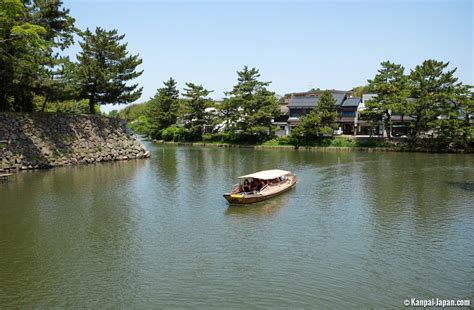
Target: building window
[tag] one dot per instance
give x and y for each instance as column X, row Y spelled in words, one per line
column 348, row 113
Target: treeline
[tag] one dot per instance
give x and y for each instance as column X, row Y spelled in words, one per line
column 439, row 106
column 436, row 106
column 36, row 76
column 245, row 115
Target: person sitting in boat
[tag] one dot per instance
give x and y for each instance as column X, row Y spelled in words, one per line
column 246, row 186
column 254, row 185
column 261, row 185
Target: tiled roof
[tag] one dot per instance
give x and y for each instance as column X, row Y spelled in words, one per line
column 312, row 101
column 351, row 102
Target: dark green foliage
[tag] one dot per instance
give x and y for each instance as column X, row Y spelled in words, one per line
column 249, row 110
column 113, row 114
column 162, row 108
column 195, row 117
column 174, row 133
column 104, row 68
column 440, row 105
column 318, row 123
column 31, row 33
column 391, row 86
column 22, row 56
column 65, row 106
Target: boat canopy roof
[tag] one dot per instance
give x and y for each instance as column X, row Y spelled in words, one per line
column 266, row 174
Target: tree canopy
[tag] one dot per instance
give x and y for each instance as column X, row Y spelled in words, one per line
column 251, row 106
column 195, row 115
column 391, row 86
column 163, row 107
column 33, row 35
column 104, row 68
column 440, row 103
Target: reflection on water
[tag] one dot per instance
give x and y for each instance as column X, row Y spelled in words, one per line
column 263, row 208
column 359, row 230
column 468, row 186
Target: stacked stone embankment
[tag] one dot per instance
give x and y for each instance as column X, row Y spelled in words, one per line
column 44, row 140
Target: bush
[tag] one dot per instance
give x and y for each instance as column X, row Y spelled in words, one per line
column 140, row 125
column 373, row 142
column 173, row 133
column 338, row 142
column 278, row 141
column 213, row 137
column 342, row 142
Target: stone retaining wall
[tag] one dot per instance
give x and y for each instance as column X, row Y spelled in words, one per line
column 43, row 140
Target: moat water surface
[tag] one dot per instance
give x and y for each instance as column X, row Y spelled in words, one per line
column 360, row 230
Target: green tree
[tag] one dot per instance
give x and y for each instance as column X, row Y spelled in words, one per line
column 133, row 111
column 104, row 68
column 391, row 86
column 163, row 107
column 440, row 103
column 55, row 85
column 229, row 113
column 358, row 91
column 140, row 125
column 196, row 117
column 113, row 114
column 31, row 35
column 320, row 122
column 257, row 106
column 22, row 50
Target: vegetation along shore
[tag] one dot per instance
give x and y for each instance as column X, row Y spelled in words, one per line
column 426, row 108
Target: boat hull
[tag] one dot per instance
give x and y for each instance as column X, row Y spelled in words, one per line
column 253, row 198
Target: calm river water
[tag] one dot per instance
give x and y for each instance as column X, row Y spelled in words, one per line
column 360, row 230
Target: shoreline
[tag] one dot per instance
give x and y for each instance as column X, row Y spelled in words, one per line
column 316, row 148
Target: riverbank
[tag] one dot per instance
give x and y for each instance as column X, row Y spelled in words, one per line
column 45, row 140
column 394, row 148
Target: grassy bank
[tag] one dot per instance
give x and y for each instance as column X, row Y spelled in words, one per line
column 338, row 144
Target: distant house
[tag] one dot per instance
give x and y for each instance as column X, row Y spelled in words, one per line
column 347, row 114
column 365, row 126
column 297, row 105
column 281, row 122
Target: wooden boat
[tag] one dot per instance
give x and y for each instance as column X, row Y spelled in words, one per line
column 273, row 182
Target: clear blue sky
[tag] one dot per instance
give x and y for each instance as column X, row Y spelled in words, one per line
column 295, row 44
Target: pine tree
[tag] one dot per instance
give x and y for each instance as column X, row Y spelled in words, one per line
column 104, row 68
column 440, row 103
column 31, row 34
column 162, row 108
column 195, row 110
column 22, row 52
column 257, row 106
column 391, row 87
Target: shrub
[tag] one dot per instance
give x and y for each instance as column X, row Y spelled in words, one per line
column 278, row 141
column 342, row 142
column 140, row 125
column 173, row 133
column 213, row 137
